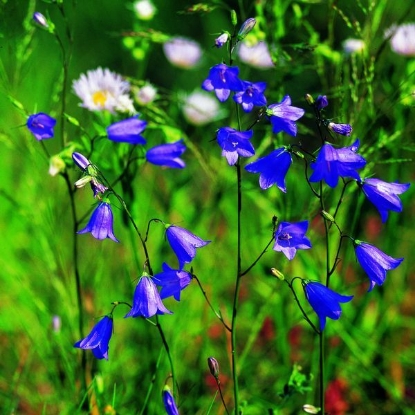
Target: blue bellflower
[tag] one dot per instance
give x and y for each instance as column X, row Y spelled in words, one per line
column 80, row 160
column 272, row 168
column 333, row 163
column 252, row 94
column 101, row 223
column 146, row 299
column 321, row 102
column 169, row 403
column 127, row 131
column 183, row 243
column 235, row 143
column 223, row 79
column 374, row 262
column 283, row 116
column 41, row 125
column 167, row 155
column 384, row 195
column 291, row 236
column 172, row 281
column 343, row 129
column 98, row 339
column 324, row 301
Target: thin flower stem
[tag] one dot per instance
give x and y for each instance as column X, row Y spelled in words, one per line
column 221, row 395
column 260, row 255
column 218, row 315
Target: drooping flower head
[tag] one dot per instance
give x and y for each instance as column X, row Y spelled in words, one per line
column 343, row 129
column 374, row 262
column 127, row 131
column 98, row 339
column 172, row 281
column 222, row 39
column 101, row 223
column 183, row 243
column 290, row 237
column 272, row 168
column 283, row 116
column 200, row 108
column 101, row 89
column 384, row 195
column 169, row 403
column 256, row 55
column 167, row 155
column 333, row 163
column 235, row 143
column 146, row 299
column 40, row 19
column 183, row 53
column 403, row 39
column 223, row 79
column 41, row 125
column 324, row 301
column 321, row 102
column 252, row 94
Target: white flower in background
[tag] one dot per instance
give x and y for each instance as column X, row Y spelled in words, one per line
column 144, row 9
column 146, row 94
column 101, row 89
column 182, row 52
column 256, row 55
column 351, row 46
column 403, row 39
column 200, row 108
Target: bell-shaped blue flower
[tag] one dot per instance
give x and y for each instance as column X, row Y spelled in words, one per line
column 146, row 300
column 324, row 301
column 167, row 155
column 41, row 125
column 80, row 160
column 172, row 281
column 127, row 131
column 252, row 94
column 169, row 403
column 291, row 236
column 343, row 129
column 223, row 79
column 384, row 195
column 283, row 116
column 272, row 168
column 374, row 262
column 321, row 102
column 183, row 243
column 101, row 223
column 333, row 163
column 98, row 339
column 235, row 143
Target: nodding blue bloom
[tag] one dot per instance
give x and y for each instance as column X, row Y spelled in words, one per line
column 253, row 94
column 272, row 168
column 40, row 19
column 374, row 262
column 291, row 236
column 343, row 129
column 172, row 281
column 384, row 195
column 321, row 102
column 283, row 115
column 41, row 125
column 80, row 160
column 98, row 339
column 127, row 131
column 324, row 301
column 146, row 300
column 101, row 223
column 169, row 403
column 222, row 39
column 333, row 163
column 235, row 143
column 223, row 79
column 167, row 155
column 183, row 243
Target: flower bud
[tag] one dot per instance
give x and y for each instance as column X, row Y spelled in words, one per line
column 56, row 165
column 246, row 27
column 278, row 274
column 169, row 403
column 327, row 216
column 40, row 19
column 234, row 18
column 83, row 181
column 343, row 129
column 144, row 9
column 311, row 409
column 222, row 39
column 321, row 102
column 213, row 367
column 309, row 99
column 81, row 161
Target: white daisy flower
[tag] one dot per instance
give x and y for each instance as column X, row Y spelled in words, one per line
column 200, row 108
column 101, row 89
column 182, row 52
column 403, row 39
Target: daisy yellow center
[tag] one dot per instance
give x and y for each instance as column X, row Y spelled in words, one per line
column 99, row 98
